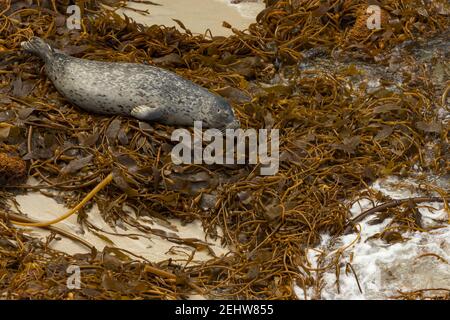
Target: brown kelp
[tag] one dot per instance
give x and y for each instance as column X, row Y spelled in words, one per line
column 338, row 133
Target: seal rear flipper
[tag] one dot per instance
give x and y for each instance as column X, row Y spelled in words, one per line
column 38, row 47
column 146, row 113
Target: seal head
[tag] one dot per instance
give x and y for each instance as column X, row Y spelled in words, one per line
column 145, row 92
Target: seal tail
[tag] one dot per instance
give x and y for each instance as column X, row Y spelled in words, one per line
column 38, row 47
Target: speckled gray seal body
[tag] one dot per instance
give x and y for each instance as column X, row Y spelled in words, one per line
column 145, row 92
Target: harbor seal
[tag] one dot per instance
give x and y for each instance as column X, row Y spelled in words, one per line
column 145, row 92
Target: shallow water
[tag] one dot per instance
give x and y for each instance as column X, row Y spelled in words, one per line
column 383, row 269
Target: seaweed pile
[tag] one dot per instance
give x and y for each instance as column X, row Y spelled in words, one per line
column 338, row 133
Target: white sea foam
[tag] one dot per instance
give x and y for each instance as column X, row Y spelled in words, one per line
column 384, row 269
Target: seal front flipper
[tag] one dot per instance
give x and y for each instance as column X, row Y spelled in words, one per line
column 146, row 113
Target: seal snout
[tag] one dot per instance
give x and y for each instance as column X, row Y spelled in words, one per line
column 225, row 114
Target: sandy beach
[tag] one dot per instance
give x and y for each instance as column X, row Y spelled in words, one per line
column 197, row 15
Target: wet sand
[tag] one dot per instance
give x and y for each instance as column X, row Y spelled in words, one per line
column 197, row 15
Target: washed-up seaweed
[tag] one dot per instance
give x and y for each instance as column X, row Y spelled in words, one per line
column 31, row 270
column 338, row 133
